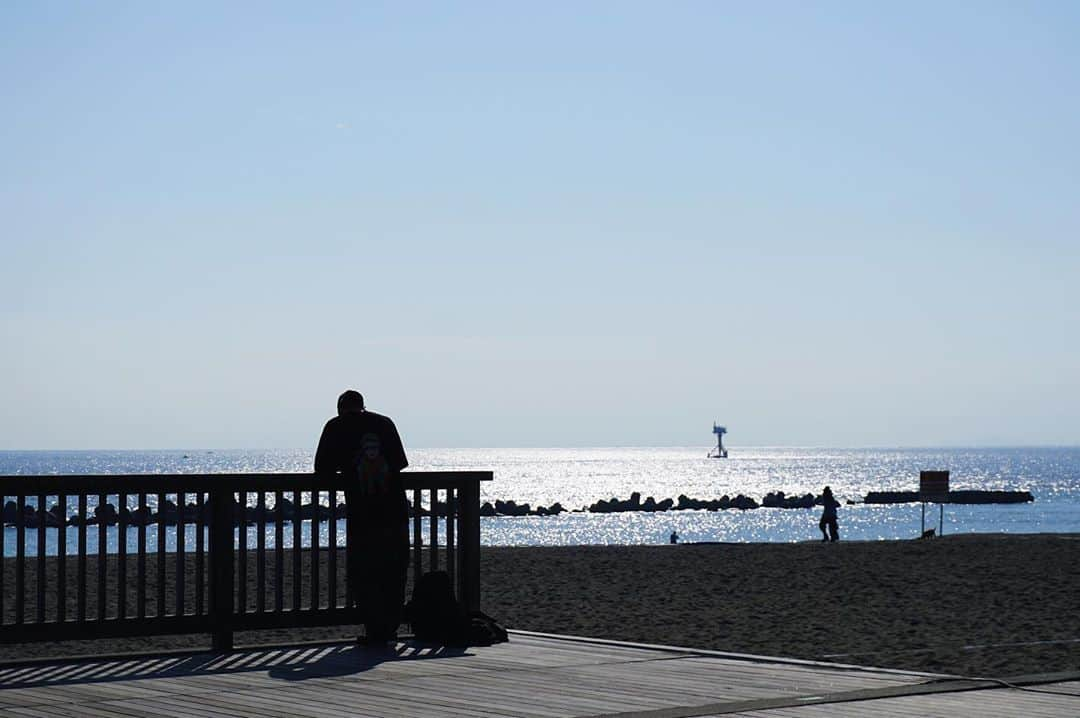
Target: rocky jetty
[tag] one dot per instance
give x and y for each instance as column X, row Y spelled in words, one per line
column 777, row 499
column 955, row 497
column 170, row 514
column 774, row 499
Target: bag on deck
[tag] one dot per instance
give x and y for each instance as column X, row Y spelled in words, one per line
column 437, row 617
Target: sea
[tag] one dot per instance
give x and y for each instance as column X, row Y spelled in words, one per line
column 577, row 477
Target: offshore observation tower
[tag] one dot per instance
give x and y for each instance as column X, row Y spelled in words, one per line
column 719, row 452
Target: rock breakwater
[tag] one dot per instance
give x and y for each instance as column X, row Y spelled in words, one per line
column 774, row 499
column 171, row 514
column 963, row 496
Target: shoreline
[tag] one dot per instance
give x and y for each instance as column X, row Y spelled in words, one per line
column 972, row 604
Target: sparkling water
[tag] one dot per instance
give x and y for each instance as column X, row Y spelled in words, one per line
column 578, row 477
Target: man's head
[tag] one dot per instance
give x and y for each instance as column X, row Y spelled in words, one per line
column 350, row 401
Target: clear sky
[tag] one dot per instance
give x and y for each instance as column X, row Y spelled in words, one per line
column 540, row 224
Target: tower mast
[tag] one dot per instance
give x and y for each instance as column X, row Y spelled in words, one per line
column 720, row 451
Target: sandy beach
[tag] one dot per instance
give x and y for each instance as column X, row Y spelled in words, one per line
column 992, row 605
column 903, row 604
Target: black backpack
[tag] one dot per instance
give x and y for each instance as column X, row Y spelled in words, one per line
column 437, row 617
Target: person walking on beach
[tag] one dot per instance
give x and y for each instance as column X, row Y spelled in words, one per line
column 366, row 447
column 828, row 516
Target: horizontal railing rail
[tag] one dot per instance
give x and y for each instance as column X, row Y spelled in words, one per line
column 131, row 555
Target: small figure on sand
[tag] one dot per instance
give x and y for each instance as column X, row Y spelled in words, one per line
column 674, row 537
column 828, row 516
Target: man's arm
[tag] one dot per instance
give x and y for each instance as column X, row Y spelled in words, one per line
column 324, row 454
column 395, row 452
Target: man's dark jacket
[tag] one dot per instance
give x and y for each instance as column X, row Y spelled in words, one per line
column 342, row 441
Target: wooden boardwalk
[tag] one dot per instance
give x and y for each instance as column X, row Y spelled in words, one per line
column 532, row 676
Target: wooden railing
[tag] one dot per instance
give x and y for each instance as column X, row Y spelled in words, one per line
column 231, row 561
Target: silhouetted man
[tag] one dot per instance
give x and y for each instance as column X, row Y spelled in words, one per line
column 365, row 447
column 828, row 516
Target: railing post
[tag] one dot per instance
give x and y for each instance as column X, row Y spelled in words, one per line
column 469, row 537
column 221, row 567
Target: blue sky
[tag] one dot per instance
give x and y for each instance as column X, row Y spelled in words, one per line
column 540, row 225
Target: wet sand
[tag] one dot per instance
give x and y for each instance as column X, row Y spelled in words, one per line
column 989, row 605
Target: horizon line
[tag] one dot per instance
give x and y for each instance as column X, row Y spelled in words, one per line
column 752, row 447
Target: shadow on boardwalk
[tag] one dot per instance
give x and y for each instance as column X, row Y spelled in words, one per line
column 532, row 676
column 292, row 663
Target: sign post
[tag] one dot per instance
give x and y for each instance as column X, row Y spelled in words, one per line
column 934, row 487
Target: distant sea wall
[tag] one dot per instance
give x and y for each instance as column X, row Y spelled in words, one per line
column 774, row 499
column 954, row 497
column 170, row 514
